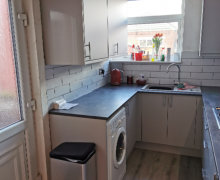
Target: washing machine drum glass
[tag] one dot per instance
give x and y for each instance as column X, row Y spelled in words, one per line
column 120, row 147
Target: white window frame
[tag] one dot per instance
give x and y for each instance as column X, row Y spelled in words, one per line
column 179, row 18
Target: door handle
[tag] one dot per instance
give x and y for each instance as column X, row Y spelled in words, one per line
column 89, row 46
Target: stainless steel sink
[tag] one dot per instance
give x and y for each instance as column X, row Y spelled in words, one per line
column 158, row 87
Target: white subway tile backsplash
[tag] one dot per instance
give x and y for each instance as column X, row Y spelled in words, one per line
column 61, row 71
column 167, row 81
column 211, row 68
column 71, row 82
column 210, row 83
column 202, row 75
column 194, row 70
column 217, row 62
column 142, row 67
column 216, row 76
column 52, row 83
column 153, row 80
column 75, row 85
column 172, row 69
column 159, row 74
column 49, row 74
column 191, row 68
column 200, row 62
column 61, row 90
column 75, row 69
column 50, row 94
column 187, row 62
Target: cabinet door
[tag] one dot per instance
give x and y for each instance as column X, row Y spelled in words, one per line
column 95, row 29
column 131, row 124
column 210, row 45
column 199, row 123
column 181, row 120
column 154, row 118
column 63, row 32
column 117, row 22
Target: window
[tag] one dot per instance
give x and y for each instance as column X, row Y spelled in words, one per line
column 9, row 95
column 149, row 17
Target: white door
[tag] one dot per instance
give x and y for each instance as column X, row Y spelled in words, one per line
column 17, row 143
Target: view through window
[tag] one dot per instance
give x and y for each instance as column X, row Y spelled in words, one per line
column 146, row 18
column 9, row 98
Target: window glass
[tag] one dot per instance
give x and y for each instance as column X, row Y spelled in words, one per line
column 153, row 8
column 141, row 35
column 9, row 98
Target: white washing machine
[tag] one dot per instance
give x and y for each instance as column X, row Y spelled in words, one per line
column 116, row 145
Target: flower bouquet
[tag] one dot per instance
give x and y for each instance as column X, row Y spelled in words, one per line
column 157, row 40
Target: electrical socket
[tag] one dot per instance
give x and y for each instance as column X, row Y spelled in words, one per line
column 101, row 71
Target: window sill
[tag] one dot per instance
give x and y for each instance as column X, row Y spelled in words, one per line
column 128, row 60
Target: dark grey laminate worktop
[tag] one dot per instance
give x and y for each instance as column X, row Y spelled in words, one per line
column 105, row 101
column 211, row 99
column 101, row 103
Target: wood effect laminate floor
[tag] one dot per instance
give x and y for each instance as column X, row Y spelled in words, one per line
column 150, row 165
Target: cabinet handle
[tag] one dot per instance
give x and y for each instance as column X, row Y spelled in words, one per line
column 206, row 125
column 171, row 101
column 88, row 45
column 204, row 145
column 164, row 100
column 116, row 45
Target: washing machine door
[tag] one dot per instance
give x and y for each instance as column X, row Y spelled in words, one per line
column 119, row 149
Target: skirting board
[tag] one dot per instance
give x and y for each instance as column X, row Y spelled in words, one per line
column 168, row 149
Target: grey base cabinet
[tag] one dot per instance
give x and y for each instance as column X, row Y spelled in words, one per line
column 154, row 118
column 172, row 120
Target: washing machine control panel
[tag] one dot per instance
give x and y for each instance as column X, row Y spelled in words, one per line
column 117, row 121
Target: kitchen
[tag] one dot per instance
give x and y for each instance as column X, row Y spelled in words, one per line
column 73, row 56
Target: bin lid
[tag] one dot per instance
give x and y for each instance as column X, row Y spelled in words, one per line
column 77, row 152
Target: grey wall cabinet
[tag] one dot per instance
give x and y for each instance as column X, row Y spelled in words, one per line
column 210, row 40
column 75, row 32
column 117, row 24
column 171, row 120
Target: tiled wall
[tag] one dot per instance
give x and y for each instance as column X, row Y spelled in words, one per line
column 196, row 71
column 71, row 82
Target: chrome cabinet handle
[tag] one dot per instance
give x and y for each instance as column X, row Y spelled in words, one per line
column 204, row 145
column 116, row 45
column 88, row 45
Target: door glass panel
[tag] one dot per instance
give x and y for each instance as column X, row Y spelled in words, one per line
column 9, row 96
